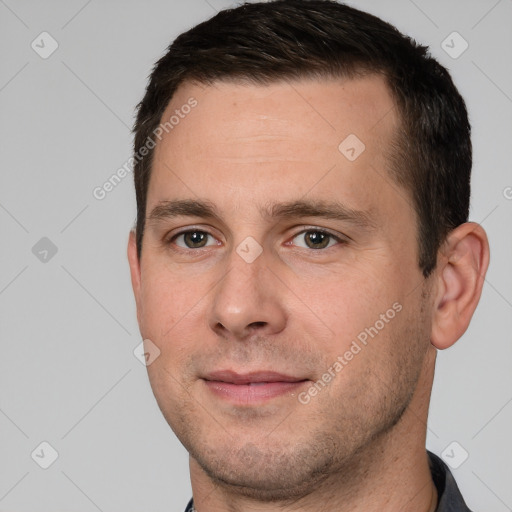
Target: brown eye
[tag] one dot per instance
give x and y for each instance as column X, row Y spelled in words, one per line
column 315, row 239
column 194, row 239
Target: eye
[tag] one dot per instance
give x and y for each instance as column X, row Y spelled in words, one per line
column 193, row 239
column 315, row 239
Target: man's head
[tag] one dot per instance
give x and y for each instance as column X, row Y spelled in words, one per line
column 430, row 154
column 301, row 244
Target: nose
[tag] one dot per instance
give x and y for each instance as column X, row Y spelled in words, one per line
column 248, row 300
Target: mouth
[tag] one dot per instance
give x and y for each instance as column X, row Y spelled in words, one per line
column 252, row 388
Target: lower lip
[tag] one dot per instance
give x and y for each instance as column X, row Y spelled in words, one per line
column 249, row 394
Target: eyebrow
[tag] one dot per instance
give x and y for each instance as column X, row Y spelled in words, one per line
column 166, row 210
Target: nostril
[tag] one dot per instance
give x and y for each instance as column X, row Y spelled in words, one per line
column 257, row 324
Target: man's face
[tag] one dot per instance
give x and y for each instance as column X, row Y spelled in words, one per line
column 272, row 290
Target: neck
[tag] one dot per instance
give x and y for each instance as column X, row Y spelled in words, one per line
column 391, row 473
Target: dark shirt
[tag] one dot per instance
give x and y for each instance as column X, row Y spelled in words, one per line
column 448, row 494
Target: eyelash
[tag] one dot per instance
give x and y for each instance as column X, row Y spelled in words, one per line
column 340, row 240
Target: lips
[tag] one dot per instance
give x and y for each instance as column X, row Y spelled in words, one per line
column 250, row 378
column 251, row 388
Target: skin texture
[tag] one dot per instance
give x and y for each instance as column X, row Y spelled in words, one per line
column 296, row 309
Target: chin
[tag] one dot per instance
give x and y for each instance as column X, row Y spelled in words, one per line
column 267, row 473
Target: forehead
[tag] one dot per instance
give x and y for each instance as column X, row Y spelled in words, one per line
column 243, row 140
column 327, row 109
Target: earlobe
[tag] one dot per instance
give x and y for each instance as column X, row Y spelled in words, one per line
column 462, row 264
column 134, row 263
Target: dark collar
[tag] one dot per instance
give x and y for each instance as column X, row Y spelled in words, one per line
column 448, row 494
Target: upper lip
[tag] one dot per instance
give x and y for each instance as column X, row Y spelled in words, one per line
column 233, row 377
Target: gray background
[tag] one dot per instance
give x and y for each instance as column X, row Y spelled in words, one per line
column 68, row 375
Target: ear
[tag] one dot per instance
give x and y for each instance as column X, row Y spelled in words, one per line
column 460, row 273
column 134, row 263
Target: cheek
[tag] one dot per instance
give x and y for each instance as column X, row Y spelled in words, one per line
column 379, row 356
column 349, row 301
column 158, row 307
column 169, row 301
column 175, row 305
